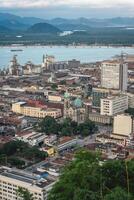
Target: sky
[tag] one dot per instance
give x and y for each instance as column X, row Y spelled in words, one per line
column 69, row 8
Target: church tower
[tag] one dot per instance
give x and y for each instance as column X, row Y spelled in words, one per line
column 66, row 104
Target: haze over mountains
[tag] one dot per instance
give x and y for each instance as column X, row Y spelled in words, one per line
column 9, row 22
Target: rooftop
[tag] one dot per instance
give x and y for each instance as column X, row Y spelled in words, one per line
column 31, row 179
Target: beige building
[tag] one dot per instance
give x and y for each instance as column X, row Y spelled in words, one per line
column 102, row 119
column 54, row 98
column 123, row 125
column 26, row 110
column 113, row 105
column 114, row 74
column 12, row 179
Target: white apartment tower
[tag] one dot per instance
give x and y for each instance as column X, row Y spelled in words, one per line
column 114, row 74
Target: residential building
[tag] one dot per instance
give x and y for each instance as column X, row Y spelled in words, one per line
column 113, row 105
column 114, row 74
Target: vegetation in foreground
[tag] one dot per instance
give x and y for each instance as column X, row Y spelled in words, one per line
column 88, row 179
column 24, row 194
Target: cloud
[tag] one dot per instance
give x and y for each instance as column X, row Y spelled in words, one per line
column 69, row 3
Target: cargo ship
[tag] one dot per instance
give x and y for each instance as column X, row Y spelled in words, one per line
column 16, row 49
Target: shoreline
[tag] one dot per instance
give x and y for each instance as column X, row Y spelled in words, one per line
column 67, row 46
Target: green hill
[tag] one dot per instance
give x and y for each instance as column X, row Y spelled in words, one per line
column 43, row 28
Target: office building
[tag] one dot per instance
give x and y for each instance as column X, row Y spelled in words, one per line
column 99, row 93
column 113, row 105
column 12, row 179
column 114, row 74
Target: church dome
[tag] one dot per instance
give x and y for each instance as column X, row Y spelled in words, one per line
column 66, row 95
column 78, row 103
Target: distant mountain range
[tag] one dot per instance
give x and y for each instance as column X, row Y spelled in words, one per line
column 3, row 29
column 9, row 22
column 43, row 28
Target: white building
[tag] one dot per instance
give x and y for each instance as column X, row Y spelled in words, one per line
column 47, row 60
column 113, row 105
column 114, row 75
column 123, row 125
column 33, row 138
column 12, row 179
column 67, row 143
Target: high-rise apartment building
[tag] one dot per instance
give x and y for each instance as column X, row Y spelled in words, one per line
column 114, row 74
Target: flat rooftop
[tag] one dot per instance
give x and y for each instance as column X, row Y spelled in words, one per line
column 32, row 179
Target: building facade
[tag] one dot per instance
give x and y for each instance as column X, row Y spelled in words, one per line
column 74, row 109
column 113, row 105
column 123, row 125
column 99, row 93
column 12, row 179
column 114, row 74
column 38, row 112
column 130, row 100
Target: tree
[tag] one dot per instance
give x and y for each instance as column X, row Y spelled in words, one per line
column 79, row 180
column 34, row 153
column 69, row 127
column 118, row 194
column 24, row 194
column 63, row 82
column 12, row 152
column 84, row 178
column 87, row 128
column 54, row 86
column 49, row 125
column 16, row 162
